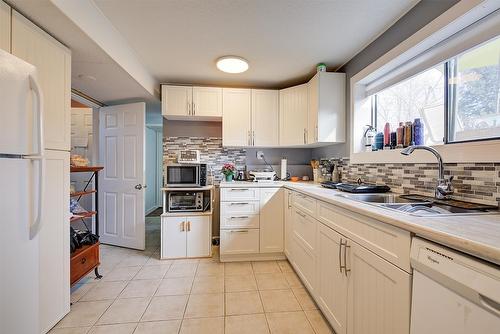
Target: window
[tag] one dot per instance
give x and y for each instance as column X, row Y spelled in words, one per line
column 421, row 96
column 457, row 101
column 474, row 85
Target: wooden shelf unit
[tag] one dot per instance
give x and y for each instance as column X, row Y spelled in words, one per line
column 83, row 215
column 82, row 193
column 85, row 259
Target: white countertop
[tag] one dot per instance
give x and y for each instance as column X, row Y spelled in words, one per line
column 478, row 235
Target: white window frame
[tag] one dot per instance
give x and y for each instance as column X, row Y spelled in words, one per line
column 411, row 56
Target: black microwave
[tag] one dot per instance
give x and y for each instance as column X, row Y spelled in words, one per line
column 186, row 175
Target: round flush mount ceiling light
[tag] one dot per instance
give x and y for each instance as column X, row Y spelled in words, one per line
column 232, row 64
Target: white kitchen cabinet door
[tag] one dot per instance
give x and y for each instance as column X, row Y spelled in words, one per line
column 207, row 103
column 236, row 117
column 176, row 101
column 332, row 283
column 174, row 240
column 54, row 241
column 293, row 115
column 271, row 220
column 265, row 117
column 288, row 228
column 53, row 63
column 326, row 112
column 4, row 26
column 198, row 236
column 378, row 295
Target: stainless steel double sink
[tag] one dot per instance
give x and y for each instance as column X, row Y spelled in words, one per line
column 416, row 208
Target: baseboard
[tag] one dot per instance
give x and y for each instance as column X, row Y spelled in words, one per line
column 252, row 257
column 147, row 212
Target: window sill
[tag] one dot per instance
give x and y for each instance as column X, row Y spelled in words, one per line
column 482, row 151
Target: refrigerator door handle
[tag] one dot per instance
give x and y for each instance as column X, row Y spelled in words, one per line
column 35, row 87
column 38, row 158
column 35, row 227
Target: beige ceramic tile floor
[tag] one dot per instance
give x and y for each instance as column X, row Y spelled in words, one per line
column 142, row 294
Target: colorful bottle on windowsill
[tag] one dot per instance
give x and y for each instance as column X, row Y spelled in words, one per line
column 387, row 135
column 400, row 135
column 418, row 132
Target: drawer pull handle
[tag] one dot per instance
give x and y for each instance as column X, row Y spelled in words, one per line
column 239, row 231
column 240, row 217
column 239, row 203
column 83, row 260
column 301, row 214
column 239, row 189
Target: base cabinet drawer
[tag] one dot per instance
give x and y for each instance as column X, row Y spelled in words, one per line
column 305, row 203
column 241, row 241
column 239, row 221
column 239, row 208
column 304, row 263
column 304, row 227
column 239, row 194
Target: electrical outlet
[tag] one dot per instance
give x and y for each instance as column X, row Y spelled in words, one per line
column 260, row 155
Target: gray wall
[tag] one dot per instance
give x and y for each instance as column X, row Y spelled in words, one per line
column 419, row 16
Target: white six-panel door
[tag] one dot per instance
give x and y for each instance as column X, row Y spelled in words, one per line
column 121, row 183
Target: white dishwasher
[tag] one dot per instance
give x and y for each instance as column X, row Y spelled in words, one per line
column 453, row 293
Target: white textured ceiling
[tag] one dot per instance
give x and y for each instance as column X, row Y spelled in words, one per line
column 179, row 40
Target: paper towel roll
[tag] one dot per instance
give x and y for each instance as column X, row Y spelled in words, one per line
column 283, row 169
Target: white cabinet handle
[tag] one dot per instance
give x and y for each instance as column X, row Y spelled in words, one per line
column 189, row 226
column 189, row 108
column 239, row 231
column 340, row 255
column 239, row 217
column 253, row 138
column 194, row 109
column 183, row 226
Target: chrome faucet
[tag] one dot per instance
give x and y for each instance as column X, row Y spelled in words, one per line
column 444, row 187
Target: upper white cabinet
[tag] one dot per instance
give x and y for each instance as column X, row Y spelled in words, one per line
column 53, row 62
column 207, row 102
column 326, row 112
column 250, row 117
column 265, row 117
column 4, row 26
column 176, row 101
column 191, row 103
column 293, row 115
column 236, row 119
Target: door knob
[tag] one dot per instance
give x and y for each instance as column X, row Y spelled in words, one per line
column 140, row 186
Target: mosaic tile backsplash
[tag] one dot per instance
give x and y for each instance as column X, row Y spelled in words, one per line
column 475, row 182
column 211, row 152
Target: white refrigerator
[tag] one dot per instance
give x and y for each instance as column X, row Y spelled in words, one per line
column 21, row 188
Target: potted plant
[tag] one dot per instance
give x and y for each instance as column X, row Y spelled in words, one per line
column 228, row 170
